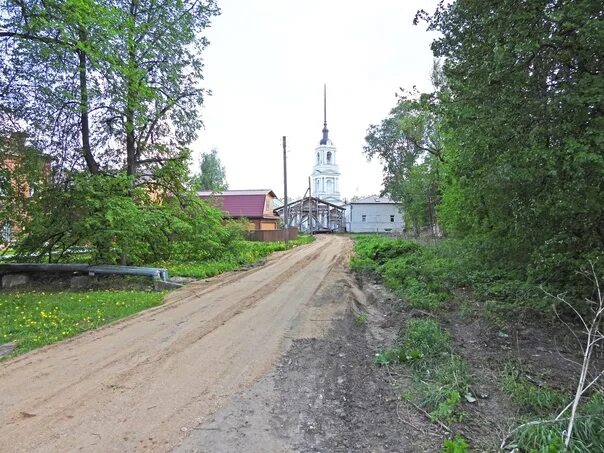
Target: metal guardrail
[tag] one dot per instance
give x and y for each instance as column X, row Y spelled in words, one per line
column 153, row 272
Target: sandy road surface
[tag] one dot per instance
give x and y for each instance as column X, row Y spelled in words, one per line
column 142, row 384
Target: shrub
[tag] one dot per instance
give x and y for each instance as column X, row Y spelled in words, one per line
column 122, row 223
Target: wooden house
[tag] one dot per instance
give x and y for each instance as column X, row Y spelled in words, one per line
column 256, row 206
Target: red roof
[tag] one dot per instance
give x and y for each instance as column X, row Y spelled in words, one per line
column 249, row 204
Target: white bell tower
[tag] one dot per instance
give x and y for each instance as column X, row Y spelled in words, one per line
column 325, row 178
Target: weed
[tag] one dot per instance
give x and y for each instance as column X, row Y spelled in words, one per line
column 426, row 337
column 245, row 253
column 437, row 379
column 547, row 436
column 396, row 356
column 447, row 409
column 455, row 445
column 440, row 378
column 360, row 319
column 530, row 397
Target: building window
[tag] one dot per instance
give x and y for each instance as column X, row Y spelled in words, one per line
column 328, row 157
column 363, row 218
column 318, row 158
column 392, row 217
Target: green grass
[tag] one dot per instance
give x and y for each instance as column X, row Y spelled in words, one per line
column 426, row 337
column 540, row 405
column 547, row 435
column 34, row 319
column 246, row 253
column 419, row 274
column 427, row 275
column 530, row 397
column 455, row 445
column 440, row 378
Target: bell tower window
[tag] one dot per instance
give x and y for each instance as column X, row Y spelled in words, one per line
column 328, row 157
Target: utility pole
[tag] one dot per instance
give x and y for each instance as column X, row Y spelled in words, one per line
column 285, row 218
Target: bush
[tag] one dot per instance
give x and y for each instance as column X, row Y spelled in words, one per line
column 122, row 223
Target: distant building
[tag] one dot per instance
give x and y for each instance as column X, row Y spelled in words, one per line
column 325, row 177
column 374, row 215
column 253, row 205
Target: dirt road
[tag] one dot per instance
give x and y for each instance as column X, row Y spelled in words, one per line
column 144, row 383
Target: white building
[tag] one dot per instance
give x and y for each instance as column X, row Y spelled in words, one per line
column 325, row 177
column 374, row 215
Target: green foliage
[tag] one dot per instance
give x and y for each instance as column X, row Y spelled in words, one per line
column 426, row 276
column 122, row 223
column 419, row 274
column 239, row 253
column 35, row 319
column 360, row 319
column 522, row 132
column 438, row 380
column 530, row 397
column 408, row 142
column 455, row 445
column 93, row 82
column 212, row 175
column 396, row 356
column 446, row 410
column 22, row 175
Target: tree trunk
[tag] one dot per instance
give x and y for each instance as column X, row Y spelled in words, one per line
column 93, row 166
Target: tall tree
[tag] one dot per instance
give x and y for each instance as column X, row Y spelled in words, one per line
column 120, row 81
column 46, row 67
column 408, row 143
column 212, row 174
column 524, row 130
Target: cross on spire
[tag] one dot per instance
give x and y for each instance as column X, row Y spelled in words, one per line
column 325, row 139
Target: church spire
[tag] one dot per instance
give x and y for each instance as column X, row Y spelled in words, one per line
column 325, row 139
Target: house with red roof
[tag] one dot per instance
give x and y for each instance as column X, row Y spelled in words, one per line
column 256, row 206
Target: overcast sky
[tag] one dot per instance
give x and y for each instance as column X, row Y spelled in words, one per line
column 266, row 65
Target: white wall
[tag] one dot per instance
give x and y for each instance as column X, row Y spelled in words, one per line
column 377, row 218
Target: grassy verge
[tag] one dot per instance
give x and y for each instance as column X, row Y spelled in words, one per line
column 35, row 319
column 246, row 253
column 440, row 278
column 428, row 276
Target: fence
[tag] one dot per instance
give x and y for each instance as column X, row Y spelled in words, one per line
column 272, row 235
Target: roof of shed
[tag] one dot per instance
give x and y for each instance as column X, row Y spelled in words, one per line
column 228, row 193
column 240, row 203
